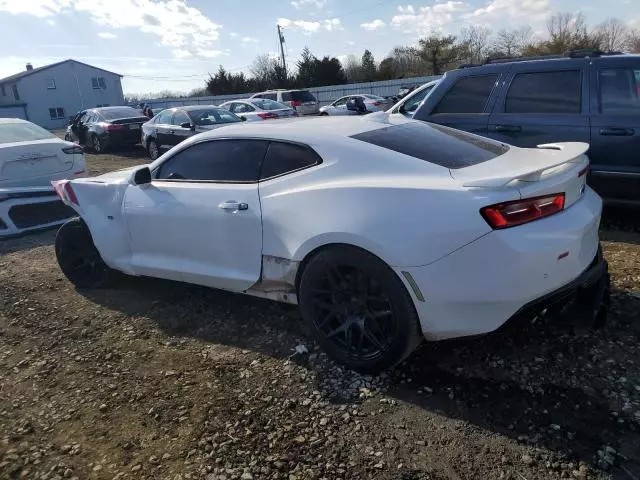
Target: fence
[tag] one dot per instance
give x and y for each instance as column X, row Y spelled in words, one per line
column 325, row 95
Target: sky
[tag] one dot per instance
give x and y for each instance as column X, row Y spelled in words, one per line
column 174, row 44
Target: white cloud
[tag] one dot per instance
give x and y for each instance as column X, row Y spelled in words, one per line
column 376, row 24
column 428, row 19
column 249, row 40
column 302, row 3
column 233, row 34
column 107, row 35
column 179, row 27
column 308, row 27
column 525, row 9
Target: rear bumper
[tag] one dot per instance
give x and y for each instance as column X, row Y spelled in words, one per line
column 126, row 139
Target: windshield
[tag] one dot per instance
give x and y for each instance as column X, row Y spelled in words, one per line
column 116, row 113
column 22, row 132
column 266, row 104
column 213, row 116
column 414, row 101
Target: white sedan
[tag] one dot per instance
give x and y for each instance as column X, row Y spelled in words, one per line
column 257, row 109
column 383, row 231
column 30, row 159
column 373, row 103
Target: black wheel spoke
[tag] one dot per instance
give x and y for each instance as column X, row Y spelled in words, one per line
column 325, row 321
column 332, row 307
column 380, row 314
column 349, row 339
column 371, row 337
column 336, row 331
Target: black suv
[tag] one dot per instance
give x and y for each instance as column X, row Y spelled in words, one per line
column 580, row 96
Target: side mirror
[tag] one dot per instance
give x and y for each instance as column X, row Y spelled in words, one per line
column 142, row 176
column 187, row 125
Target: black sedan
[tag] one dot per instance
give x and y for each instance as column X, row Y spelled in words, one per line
column 105, row 127
column 173, row 125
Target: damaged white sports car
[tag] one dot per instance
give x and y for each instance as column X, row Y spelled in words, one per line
column 384, row 231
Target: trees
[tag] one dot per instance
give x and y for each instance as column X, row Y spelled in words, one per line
column 474, row 44
column 612, row 35
column 368, row 67
column 306, row 68
column 512, row 43
column 439, row 53
column 632, row 43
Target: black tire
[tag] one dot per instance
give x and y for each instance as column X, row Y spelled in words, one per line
column 324, row 114
column 153, row 150
column 358, row 309
column 78, row 257
column 96, row 144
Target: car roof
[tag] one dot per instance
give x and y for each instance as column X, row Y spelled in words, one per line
column 106, row 109
column 13, row 120
column 553, row 59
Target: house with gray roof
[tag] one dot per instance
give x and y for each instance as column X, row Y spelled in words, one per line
column 50, row 94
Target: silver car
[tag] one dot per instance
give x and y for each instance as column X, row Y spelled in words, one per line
column 257, row 109
column 373, row 103
column 302, row 101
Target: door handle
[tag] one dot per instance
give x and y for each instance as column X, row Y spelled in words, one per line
column 617, row 132
column 233, row 206
column 508, row 128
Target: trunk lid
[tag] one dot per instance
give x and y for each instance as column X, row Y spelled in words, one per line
column 547, row 169
column 32, row 163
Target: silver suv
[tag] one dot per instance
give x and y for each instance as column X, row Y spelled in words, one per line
column 302, row 101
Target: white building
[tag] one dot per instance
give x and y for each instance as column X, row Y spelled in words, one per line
column 51, row 94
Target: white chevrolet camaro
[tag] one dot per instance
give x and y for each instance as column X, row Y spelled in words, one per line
column 383, row 231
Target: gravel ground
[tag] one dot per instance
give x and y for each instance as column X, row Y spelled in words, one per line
column 161, row 380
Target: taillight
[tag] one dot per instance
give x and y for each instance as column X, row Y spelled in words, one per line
column 518, row 212
column 75, row 150
column 65, row 191
column 377, row 104
column 115, row 127
column 296, row 103
column 71, row 195
column 267, row 115
column 583, row 172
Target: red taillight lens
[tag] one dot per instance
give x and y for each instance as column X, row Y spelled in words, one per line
column 71, row 195
column 75, row 150
column 518, row 212
column 583, row 172
column 295, row 103
column 267, row 115
column 115, row 127
column 377, row 104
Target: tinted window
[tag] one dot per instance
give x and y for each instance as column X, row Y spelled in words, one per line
column 436, row 144
column 286, row 157
column 165, row 117
column 124, row 112
column 412, row 103
column 544, row 92
column 619, row 90
column 340, row 102
column 179, row 118
column 219, row 160
column 213, row 116
column 468, row 95
column 22, row 132
column 298, row 96
column 266, row 104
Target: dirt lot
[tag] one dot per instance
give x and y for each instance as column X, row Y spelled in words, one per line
column 160, row 380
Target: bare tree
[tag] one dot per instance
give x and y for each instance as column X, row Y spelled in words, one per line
column 474, row 41
column 407, row 62
column 567, row 32
column 513, row 43
column 352, row 67
column 263, row 67
column 612, row 34
column 632, row 43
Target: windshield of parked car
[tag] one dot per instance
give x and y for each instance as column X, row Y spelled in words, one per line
column 298, row 96
column 22, row 132
column 436, row 144
column 213, row 116
column 266, row 104
column 116, row 113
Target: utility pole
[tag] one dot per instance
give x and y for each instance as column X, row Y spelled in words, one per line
column 281, row 39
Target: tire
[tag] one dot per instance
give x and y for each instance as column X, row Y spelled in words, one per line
column 96, row 144
column 324, row 114
column 78, row 257
column 67, row 137
column 152, row 150
column 358, row 310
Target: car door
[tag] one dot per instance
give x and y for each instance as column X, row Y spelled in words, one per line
column 177, row 132
column 615, row 127
column 339, row 107
column 82, row 128
column 162, row 128
column 543, row 103
column 199, row 220
column 464, row 101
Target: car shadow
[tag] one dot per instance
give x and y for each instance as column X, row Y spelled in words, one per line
column 620, row 224
column 29, row 240
column 529, row 382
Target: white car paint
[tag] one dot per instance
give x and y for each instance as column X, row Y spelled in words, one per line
column 339, row 107
column 420, row 218
column 409, row 104
column 252, row 109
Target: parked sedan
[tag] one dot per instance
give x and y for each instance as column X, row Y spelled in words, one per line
column 383, row 231
column 106, row 127
column 257, row 109
column 173, row 125
column 373, row 103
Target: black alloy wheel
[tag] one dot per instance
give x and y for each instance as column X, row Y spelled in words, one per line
column 153, row 150
column 96, row 144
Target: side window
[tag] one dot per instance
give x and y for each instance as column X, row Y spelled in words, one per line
column 258, row 96
column 165, row 117
column 285, row 158
column 270, row 96
column 216, row 161
column 468, row 95
column 286, row 97
column 341, row 102
column 179, row 118
column 232, row 107
column 544, row 92
column 411, row 104
column 619, row 90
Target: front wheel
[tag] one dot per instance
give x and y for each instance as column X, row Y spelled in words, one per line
column 78, row 257
column 358, row 309
column 96, row 144
column 153, row 150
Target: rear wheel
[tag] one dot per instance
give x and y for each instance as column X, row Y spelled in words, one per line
column 78, row 257
column 358, row 309
column 96, row 144
column 152, row 149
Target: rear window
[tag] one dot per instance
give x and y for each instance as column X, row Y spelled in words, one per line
column 468, row 95
column 115, row 113
column 266, row 104
column 436, row 144
column 22, row 132
column 298, row 96
column 544, row 92
column 213, row 116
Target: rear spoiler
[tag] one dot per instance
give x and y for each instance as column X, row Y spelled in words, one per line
column 508, row 168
